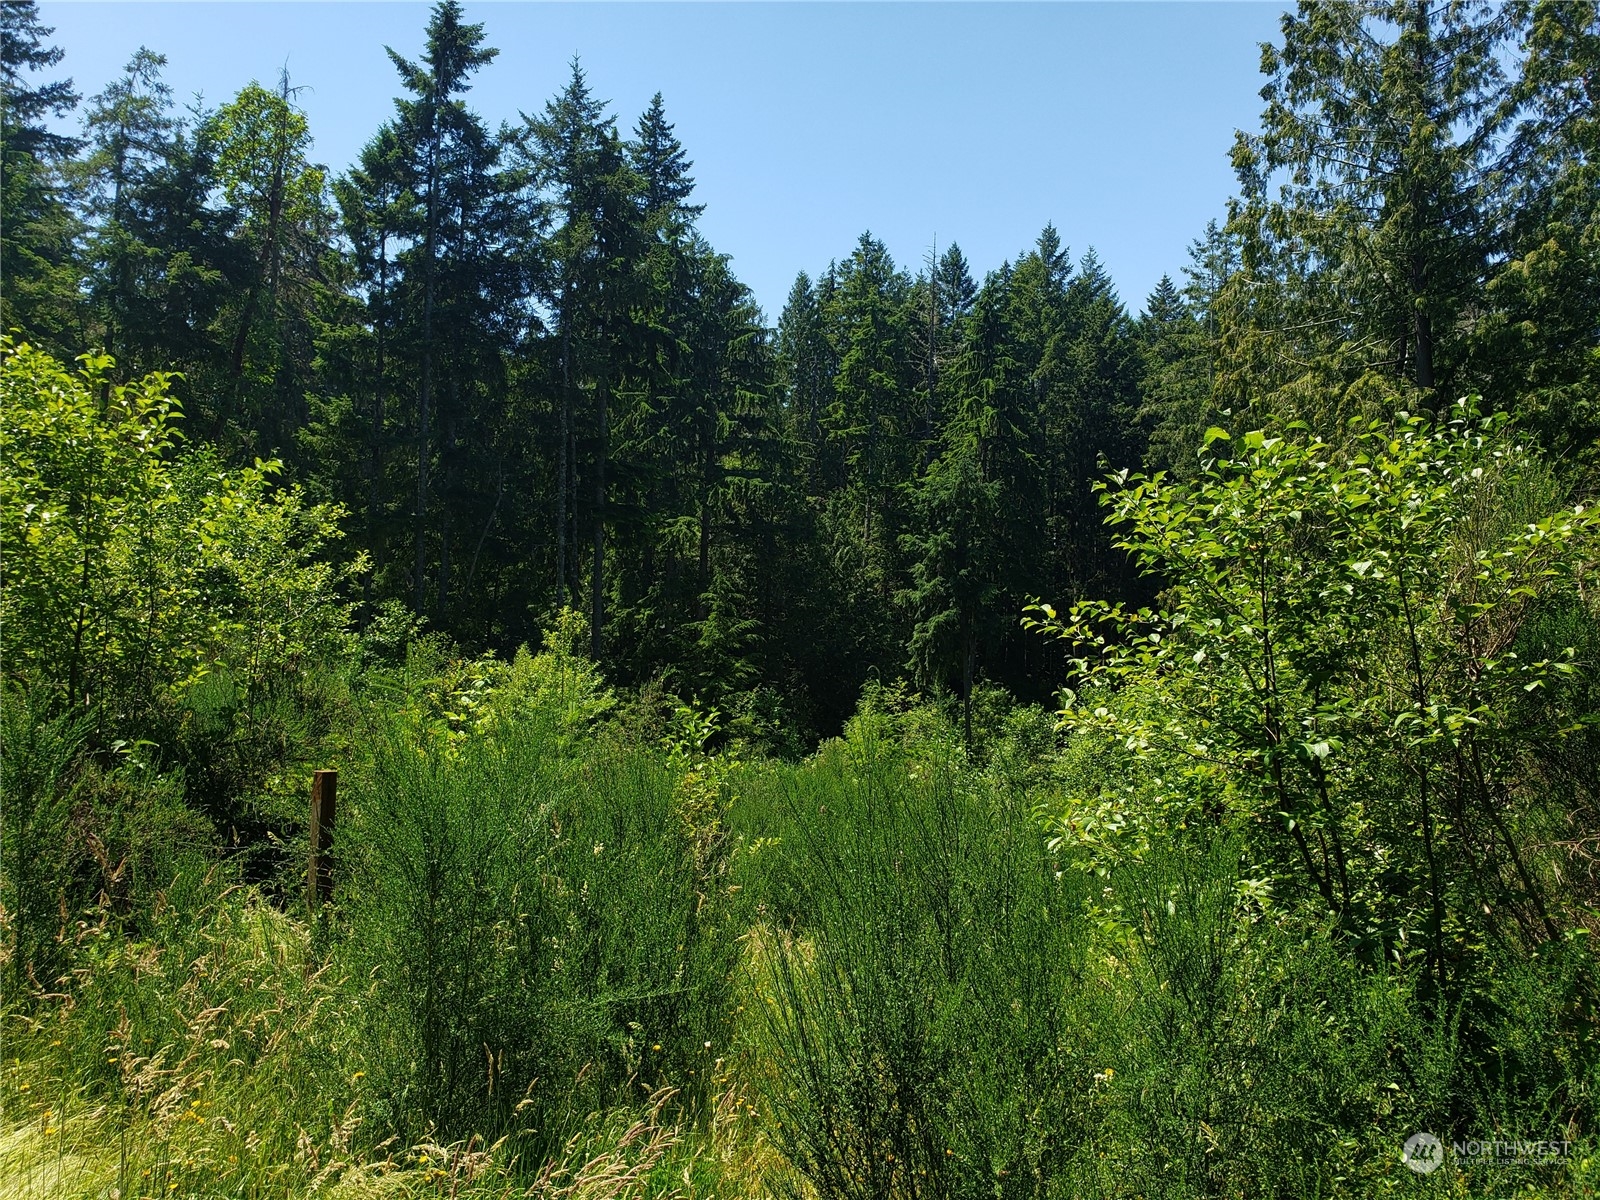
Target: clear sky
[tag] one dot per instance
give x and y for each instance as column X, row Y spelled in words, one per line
column 807, row 123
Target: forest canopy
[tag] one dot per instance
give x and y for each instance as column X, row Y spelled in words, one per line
column 526, row 378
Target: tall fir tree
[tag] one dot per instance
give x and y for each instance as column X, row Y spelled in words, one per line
column 1363, row 223
column 39, row 233
column 662, row 164
column 596, row 247
column 437, row 134
column 163, row 257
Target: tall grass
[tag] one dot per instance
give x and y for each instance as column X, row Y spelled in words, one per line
column 208, row 1059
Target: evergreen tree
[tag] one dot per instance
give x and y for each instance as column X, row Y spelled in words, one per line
column 806, row 365
column 1174, row 382
column 1535, row 348
column 357, row 439
column 956, row 290
column 969, row 505
column 132, row 137
column 439, row 138
column 596, row 249
column 162, row 256
column 1041, row 326
column 1382, row 136
column 661, row 163
column 871, row 416
column 954, row 571
column 38, row 232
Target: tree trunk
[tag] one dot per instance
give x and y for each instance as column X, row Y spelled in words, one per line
column 563, row 466
column 1422, row 324
column 419, row 578
column 597, row 580
column 1424, row 331
column 446, row 528
column 499, row 494
column 375, row 437
column 969, row 654
column 706, row 454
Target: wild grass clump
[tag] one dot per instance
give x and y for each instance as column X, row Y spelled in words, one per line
column 209, row 1058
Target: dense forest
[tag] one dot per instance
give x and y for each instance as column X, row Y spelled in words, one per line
column 962, row 738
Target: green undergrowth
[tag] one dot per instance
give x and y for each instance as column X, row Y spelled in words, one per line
column 560, row 961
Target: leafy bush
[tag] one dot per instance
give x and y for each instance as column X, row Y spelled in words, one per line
column 157, row 597
column 1242, row 1056
column 1346, row 666
column 82, row 842
column 133, row 572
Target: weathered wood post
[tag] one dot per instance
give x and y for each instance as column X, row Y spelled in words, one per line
column 319, row 870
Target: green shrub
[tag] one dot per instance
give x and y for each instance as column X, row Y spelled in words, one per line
column 159, row 597
column 538, row 937
column 1244, row 1056
column 1350, row 667
column 133, row 569
column 82, row 842
column 917, row 1012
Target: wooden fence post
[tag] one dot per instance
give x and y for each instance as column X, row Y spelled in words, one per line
column 319, row 870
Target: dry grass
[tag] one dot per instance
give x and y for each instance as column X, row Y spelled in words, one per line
column 223, row 1062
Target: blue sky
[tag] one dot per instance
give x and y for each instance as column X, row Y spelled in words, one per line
column 808, row 123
